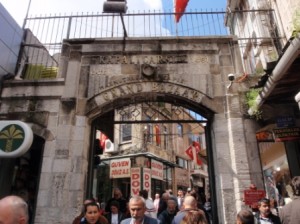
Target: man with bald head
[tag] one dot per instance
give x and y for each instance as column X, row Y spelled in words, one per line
column 189, row 204
column 13, row 210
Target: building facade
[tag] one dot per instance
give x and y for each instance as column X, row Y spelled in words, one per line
column 268, row 33
column 108, row 86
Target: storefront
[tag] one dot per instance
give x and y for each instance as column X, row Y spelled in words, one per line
column 280, row 157
column 20, row 162
column 132, row 173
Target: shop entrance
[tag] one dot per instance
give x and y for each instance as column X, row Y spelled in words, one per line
column 20, row 176
column 163, row 143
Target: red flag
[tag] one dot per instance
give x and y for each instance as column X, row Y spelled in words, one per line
column 102, row 139
column 197, row 146
column 157, row 134
column 180, row 6
column 189, row 152
column 198, row 159
column 197, row 153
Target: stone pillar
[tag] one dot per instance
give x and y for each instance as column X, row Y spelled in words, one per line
column 297, row 98
column 231, row 160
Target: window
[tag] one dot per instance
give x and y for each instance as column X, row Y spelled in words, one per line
column 126, row 130
column 180, row 130
column 165, row 137
column 182, row 162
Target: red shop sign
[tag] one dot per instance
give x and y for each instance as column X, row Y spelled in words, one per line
column 253, row 196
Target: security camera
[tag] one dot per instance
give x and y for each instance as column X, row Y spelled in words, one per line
column 231, row 77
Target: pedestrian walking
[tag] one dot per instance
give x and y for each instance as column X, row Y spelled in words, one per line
column 13, row 210
column 290, row 213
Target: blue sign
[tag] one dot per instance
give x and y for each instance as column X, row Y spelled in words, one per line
column 285, row 121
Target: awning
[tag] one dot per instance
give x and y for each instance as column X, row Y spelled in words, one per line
column 145, row 154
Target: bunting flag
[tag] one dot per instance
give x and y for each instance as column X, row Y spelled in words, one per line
column 157, row 134
column 189, row 152
column 102, row 139
column 180, row 6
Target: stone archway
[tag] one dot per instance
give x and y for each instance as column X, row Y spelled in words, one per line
column 99, row 75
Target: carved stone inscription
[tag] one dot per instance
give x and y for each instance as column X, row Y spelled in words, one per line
column 167, row 88
column 140, row 59
column 147, row 59
column 58, row 183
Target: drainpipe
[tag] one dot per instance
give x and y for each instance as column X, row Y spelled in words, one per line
column 279, row 71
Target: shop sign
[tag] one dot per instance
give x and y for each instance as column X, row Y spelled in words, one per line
column 157, row 170
column 135, row 181
column 181, row 176
column 147, row 180
column 286, row 134
column 285, row 121
column 253, row 196
column 15, row 138
column 120, row 168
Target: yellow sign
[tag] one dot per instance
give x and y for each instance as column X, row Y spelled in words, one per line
column 15, row 138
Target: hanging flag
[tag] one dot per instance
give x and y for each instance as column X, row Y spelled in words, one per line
column 102, row 139
column 157, row 134
column 180, row 6
column 198, row 159
column 197, row 146
column 189, row 152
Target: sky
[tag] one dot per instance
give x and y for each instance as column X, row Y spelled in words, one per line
column 18, row 8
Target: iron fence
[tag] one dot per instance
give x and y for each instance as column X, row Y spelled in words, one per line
column 46, row 33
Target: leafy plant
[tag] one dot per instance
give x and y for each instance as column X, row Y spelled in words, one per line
column 251, row 102
column 296, row 23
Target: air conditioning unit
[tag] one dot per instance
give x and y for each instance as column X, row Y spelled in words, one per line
column 109, row 146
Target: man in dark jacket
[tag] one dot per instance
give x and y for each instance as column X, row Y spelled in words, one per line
column 117, row 196
column 114, row 216
column 290, row 213
column 264, row 214
column 167, row 216
column 189, row 204
column 137, row 207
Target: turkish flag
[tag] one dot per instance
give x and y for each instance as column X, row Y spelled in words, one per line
column 180, row 6
column 197, row 146
column 198, row 159
column 189, row 152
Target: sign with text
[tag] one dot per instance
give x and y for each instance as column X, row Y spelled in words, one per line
column 120, row 168
column 286, row 134
column 157, row 170
column 147, row 180
column 285, row 121
column 135, row 181
column 253, row 196
column 181, row 176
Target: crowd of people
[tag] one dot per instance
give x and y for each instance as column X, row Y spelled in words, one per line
column 167, row 209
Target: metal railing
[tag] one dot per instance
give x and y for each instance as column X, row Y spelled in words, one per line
column 48, row 32
column 51, row 30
